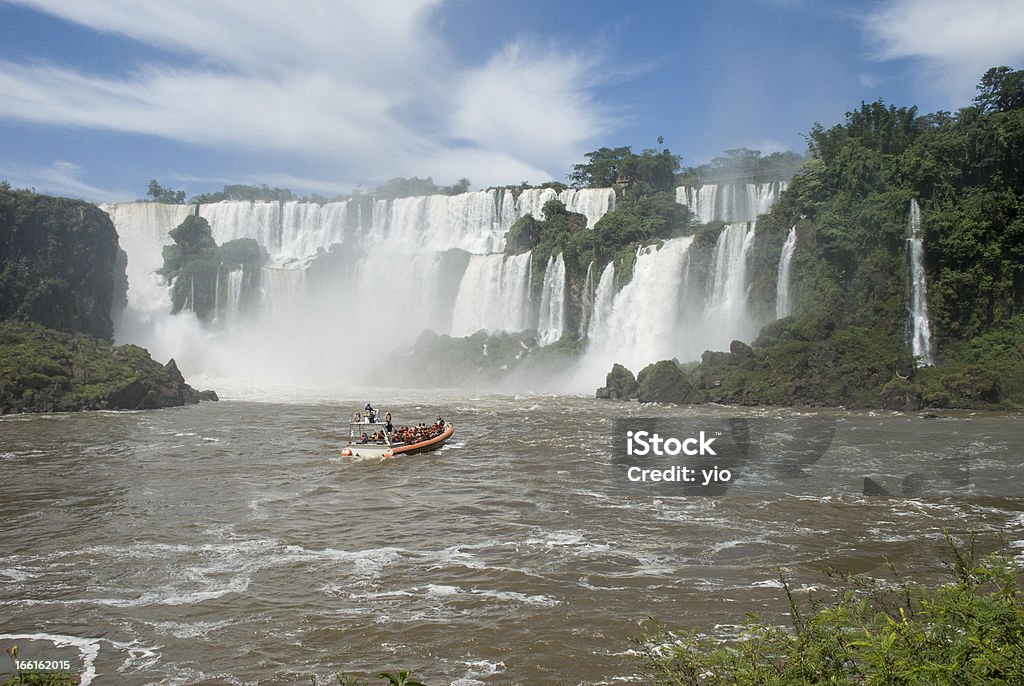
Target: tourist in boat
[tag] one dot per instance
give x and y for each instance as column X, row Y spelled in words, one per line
column 364, row 438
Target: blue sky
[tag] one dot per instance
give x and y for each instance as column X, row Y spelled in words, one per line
column 99, row 96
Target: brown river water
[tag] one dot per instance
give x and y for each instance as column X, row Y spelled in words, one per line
column 230, row 543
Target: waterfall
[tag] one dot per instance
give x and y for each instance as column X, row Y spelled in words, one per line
column 593, row 203
column 494, row 294
column 587, row 304
column 639, row 325
column 783, row 299
column 234, row 219
column 282, row 289
column 235, row 279
column 725, row 313
column 732, row 202
column 336, row 271
column 551, row 322
column 728, row 287
column 142, row 232
column 602, row 300
column 921, row 336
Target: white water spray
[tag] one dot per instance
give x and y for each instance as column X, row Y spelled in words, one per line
column 921, row 335
column 783, row 298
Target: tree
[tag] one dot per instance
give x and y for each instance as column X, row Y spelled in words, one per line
column 167, row 195
column 603, row 169
column 457, row 188
column 1001, row 89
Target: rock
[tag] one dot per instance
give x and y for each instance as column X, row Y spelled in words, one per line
column 902, row 395
column 620, row 384
column 129, row 397
column 603, row 393
column 208, row 395
column 740, row 350
column 665, row 382
column 714, row 358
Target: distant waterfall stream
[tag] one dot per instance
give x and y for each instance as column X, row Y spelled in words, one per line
column 921, row 335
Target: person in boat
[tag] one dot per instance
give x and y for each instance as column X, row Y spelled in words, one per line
column 370, row 413
column 364, row 438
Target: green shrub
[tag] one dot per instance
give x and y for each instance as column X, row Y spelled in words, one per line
column 968, row 631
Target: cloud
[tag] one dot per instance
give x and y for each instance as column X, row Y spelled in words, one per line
column 953, row 41
column 368, row 89
column 60, row 178
column 531, row 101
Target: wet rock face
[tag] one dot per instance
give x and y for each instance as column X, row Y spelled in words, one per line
column 620, row 384
column 60, row 265
column 665, row 382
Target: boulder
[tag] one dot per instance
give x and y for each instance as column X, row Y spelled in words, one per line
column 665, row 382
column 901, row 395
column 620, row 384
column 740, row 350
column 208, row 395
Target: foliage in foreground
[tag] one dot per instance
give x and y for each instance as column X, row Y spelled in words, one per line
column 970, row 631
column 402, row 678
column 41, row 679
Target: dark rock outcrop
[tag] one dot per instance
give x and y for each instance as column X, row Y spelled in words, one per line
column 900, row 394
column 51, row 371
column 620, row 384
column 59, row 263
column 665, row 382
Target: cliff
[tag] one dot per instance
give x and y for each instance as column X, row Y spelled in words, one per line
column 60, row 265
column 62, row 275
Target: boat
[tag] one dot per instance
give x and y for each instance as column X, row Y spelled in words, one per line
column 371, row 435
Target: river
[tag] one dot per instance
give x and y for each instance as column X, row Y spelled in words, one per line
column 230, row 543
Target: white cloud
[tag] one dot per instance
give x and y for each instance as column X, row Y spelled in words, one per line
column 530, row 101
column 955, row 41
column 366, row 88
column 60, row 178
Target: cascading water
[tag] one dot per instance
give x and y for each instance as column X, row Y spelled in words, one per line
column 593, row 203
column 602, row 308
column 726, row 307
column 783, row 299
column 337, row 272
column 920, row 329
column 142, row 232
column 639, row 326
column 587, row 306
column 494, row 294
column 730, row 202
column 551, row 323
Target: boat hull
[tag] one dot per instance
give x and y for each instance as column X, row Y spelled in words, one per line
column 371, row 450
column 425, row 446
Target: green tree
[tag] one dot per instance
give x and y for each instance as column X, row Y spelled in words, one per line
column 167, row 195
column 603, row 169
column 1001, row 89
